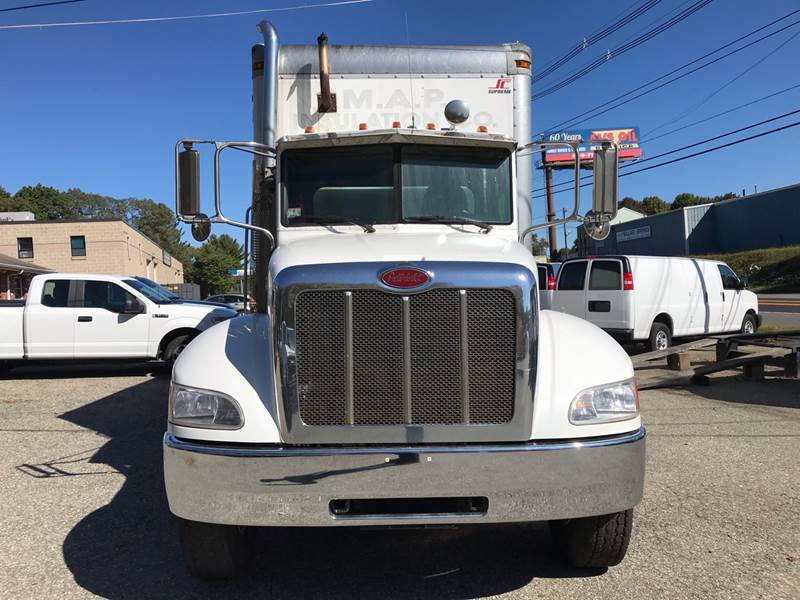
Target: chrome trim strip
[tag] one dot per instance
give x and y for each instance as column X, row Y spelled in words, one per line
column 406, row 308
column 171, row 441
column 348, row 357
column 462, row 297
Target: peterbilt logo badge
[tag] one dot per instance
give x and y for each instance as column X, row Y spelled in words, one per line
column 405, row 277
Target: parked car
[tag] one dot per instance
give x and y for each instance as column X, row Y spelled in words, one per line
column 172, row 296
column 68, row 316
column 656, row 299
column 235, row 301
column 546, row 275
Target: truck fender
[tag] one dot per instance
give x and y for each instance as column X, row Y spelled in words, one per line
column 235, row 358
column 574, row 355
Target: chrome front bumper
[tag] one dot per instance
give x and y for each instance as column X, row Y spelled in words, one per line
column 294, row 486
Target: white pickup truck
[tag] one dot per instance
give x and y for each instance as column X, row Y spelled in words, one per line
column 72, row 316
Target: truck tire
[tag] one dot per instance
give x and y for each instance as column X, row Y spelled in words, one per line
column 175, row 347
column 660, row 336
column 212, row 551
column 594, row 542
column 749, row 324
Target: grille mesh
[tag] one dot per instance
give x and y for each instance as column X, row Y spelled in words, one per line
column 435, row 350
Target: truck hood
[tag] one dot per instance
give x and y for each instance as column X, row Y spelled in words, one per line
column 400, row 248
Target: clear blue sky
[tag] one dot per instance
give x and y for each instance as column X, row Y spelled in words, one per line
column 101, row 107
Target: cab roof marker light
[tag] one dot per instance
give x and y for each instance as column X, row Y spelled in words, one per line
column 395, row 124
column 523, row 64
column 431, row 126
column 362, row 126
column 309, row 129
column 482, row 129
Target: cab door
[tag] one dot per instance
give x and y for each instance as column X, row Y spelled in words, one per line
column 106, row 324
column 607, row 305
column 570, row 294
column 731, row 299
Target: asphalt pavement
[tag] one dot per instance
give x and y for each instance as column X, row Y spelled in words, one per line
column 782, row 310
column 85, row 513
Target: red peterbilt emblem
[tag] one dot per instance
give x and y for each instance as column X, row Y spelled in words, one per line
column 405, row 277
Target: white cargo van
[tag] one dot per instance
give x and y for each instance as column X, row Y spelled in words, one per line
column 546, row 278
column 655, row 299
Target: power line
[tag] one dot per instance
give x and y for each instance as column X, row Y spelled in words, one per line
column 593, row 39
column 568, row 185
column 40, row 5
column 720, row 114
column 591, row 113
column 619, row 50
column 726, row 84
column 186, row 17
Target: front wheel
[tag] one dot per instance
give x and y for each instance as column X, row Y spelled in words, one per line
column 212, row 551
column 175, row 347
column 594, row 542
column 660, row 337
column 749, row 324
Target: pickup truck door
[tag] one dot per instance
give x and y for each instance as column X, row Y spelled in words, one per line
column 11, row 319
column 570, row 294
column 49, row 321
column 102, row 327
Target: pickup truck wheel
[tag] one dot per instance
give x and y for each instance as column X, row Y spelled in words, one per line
column 749, row 324
column 212, row 551
column 175, row 347
column 660, row 336
column 594, row 542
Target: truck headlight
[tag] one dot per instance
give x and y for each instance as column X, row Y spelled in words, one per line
column 193, row 407
column 605, row 403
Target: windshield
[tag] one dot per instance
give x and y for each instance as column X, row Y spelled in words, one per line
column 148, row 292
column 396, row 184
column 152, row 284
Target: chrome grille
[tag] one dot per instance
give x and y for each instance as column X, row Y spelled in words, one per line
column 367, row 357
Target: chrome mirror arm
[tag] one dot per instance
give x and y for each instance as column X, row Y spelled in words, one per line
column 573, row 216
column 218, row 216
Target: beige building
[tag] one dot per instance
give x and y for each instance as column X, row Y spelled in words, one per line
column 108, row 247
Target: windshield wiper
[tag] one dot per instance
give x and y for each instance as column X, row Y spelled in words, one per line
column 334, row 221
column 450, row 220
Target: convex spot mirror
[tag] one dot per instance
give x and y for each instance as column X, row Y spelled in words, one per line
column 201, row 228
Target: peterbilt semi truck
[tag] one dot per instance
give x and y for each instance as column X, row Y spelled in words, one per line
column 397, row 368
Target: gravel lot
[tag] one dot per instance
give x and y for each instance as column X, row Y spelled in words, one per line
column 85, row 513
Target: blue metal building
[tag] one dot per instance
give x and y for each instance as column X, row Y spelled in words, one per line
column 763, row 220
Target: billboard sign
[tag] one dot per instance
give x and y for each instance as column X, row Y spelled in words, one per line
column 627, row 139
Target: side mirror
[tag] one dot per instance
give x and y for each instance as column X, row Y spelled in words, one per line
column 133, row 307
column 189, row 182
column 604, row 192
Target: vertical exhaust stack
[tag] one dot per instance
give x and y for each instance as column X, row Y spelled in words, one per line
column 265, row 115
column 326, row 102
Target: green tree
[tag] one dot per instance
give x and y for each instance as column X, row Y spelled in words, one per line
column 687, row 199
column 95, row 206
column 653, row 205
column 4, row 195
column 539, row 245
column 212, row 262
column 632, row 203
column 46, row 203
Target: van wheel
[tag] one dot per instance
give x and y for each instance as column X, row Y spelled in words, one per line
column 749, row 324
column 594, row 542
column 212, row 551
column 660, row 337
column 175, row 347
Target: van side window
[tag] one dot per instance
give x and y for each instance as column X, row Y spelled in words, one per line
column 542, row 278
column 105, row 294
column 572, row 276
column 55, row 293
column 729, row 279
column 606, row 275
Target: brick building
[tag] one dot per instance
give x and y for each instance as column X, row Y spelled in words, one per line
column 103, row 246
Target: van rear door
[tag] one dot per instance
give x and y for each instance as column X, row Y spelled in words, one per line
column 608, row 305
column 570, row 294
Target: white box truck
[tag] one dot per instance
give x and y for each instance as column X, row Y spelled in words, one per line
column 397, row 369
column 655, row 299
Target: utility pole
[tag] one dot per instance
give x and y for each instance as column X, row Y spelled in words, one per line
column 564, row 216
column 551, row 213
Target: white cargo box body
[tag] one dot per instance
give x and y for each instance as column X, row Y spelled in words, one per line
column 382, row 85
